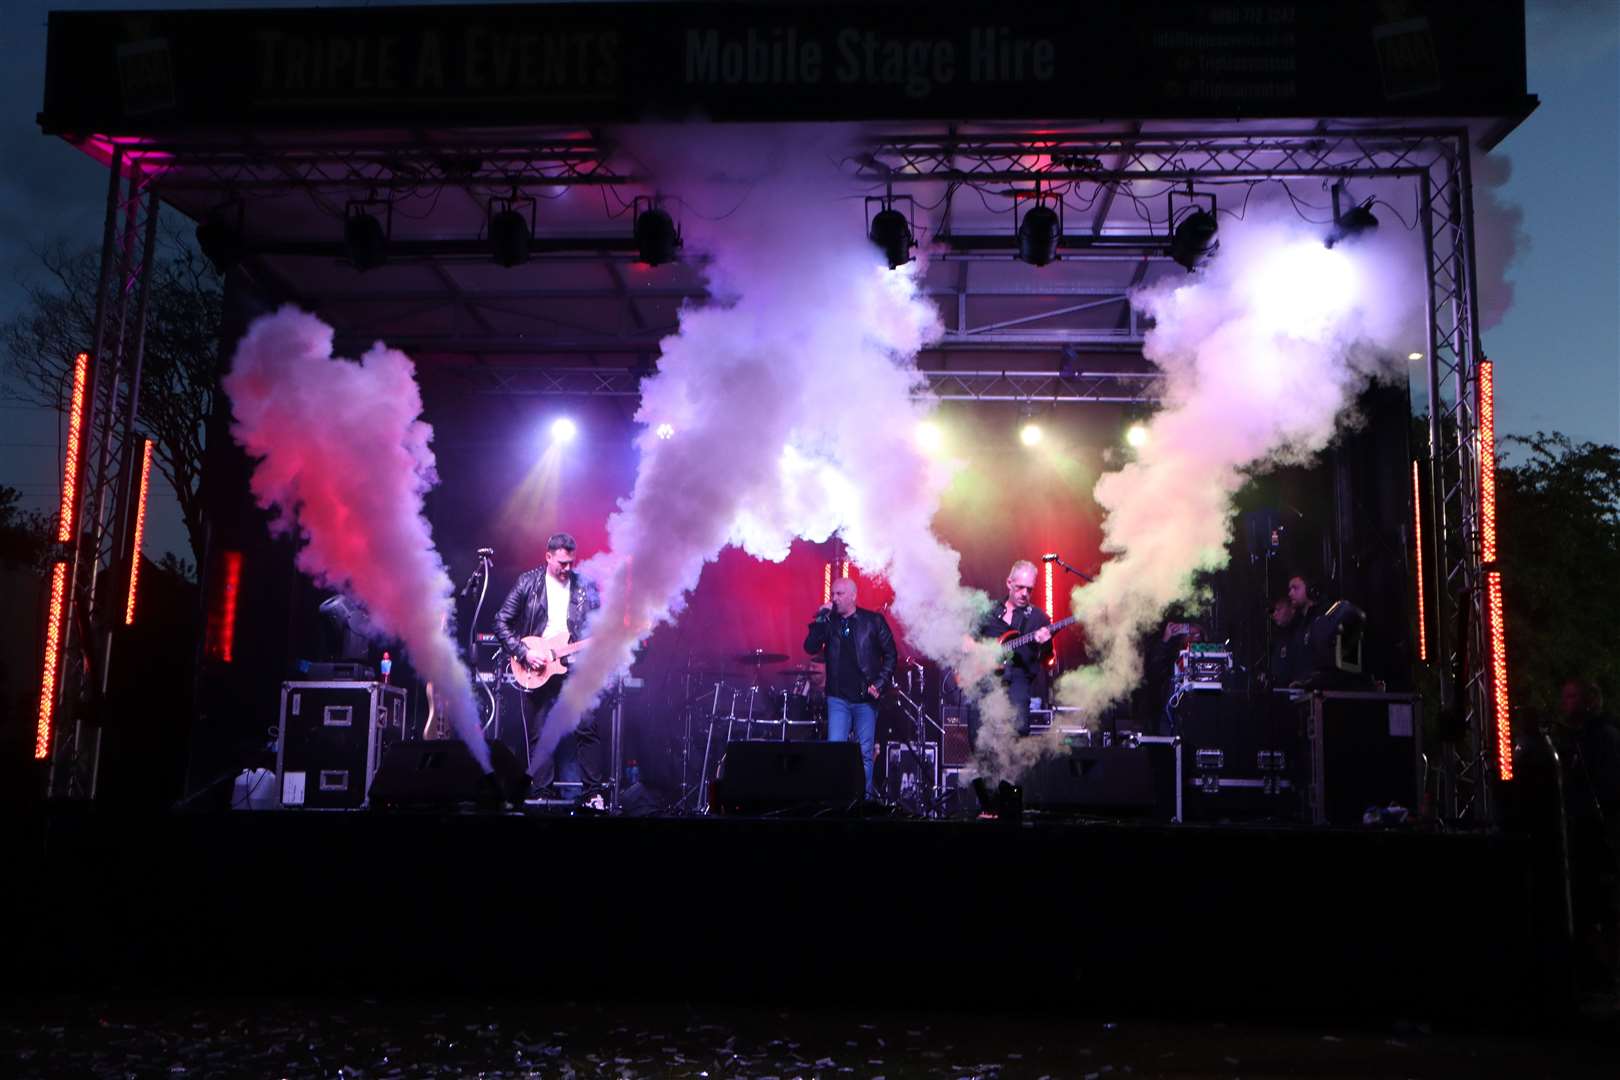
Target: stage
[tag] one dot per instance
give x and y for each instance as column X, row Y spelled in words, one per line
column 952, row 914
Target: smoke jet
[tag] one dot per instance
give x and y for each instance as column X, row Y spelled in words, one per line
column 344, row 463
column 1262, row 352
column 793, row 396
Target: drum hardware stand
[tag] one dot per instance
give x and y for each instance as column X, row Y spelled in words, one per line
column 616, row 741
column 916, row 742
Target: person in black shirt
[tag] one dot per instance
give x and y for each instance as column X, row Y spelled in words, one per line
column 860, row 656
column 1023, row 674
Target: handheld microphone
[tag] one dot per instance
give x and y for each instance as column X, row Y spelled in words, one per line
column 486, row 553
column 1050, row 556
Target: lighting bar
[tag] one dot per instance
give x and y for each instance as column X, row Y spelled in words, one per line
column 826, row 583
column 221, row 636
column 845, row 572
column 53, row 646
column 1049, row 590
column 67, row 516
column 1496, row 622
column 140, row 531
column 1417, row 529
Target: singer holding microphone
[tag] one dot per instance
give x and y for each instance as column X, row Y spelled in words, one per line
column 859, row 650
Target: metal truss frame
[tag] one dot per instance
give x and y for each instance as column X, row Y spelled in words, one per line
column 129, row 244
column 1037, row 387
column 1105, row 166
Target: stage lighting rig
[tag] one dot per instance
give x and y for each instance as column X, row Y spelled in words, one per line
column 365, row 239
column 509, row 233
column 1040, row 229
column 1352, row 223
column 1194, row 240
column 563, row 430
column 657, row 237
column 890, row 229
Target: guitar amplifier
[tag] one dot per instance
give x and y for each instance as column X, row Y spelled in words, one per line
column 333, row 737
column 956, row 744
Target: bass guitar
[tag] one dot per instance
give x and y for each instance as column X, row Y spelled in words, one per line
column 1012, row 639
column 534, row 678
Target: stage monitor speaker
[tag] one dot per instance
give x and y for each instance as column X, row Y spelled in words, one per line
column 778, row 778
column 437, row 773
column 1115, row 781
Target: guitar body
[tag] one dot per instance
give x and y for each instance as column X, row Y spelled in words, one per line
column 534, row 678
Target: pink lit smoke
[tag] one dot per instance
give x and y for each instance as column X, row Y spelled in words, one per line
column 344, row 461
column 792, row 394
column 1262, row 352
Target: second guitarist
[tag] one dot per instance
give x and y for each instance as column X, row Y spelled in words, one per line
column 1024, row 673
column 551, row 602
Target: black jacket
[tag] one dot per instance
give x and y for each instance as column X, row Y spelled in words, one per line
column 524, row 612
column 874, row 646
column 1027, row 662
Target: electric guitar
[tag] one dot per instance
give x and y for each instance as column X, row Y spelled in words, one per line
column 532, row 678
column 1012, row 639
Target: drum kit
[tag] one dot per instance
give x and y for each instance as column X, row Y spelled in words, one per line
column 729, row 705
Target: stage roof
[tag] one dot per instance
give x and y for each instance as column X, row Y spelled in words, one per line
column 278, row 123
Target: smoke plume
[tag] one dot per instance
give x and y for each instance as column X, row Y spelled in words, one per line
column 1262, row 352
column 793, row 397
column 344, row 462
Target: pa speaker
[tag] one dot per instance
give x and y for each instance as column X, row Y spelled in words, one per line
column 1112, row 781
column 776, row 778
column 432, row 773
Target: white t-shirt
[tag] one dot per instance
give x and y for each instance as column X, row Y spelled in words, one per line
column 556, row 606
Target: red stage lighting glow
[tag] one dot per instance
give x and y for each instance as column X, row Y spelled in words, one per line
column 1417, row 532
column 140, row 531
column 1496, row 622
column 67, row 512
column 221, row 636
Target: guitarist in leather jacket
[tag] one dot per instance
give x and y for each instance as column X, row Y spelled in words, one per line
column 1024, row 674
column 860, row 653
column 545, row 601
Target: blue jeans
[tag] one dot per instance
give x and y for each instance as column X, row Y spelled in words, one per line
column 840, row 713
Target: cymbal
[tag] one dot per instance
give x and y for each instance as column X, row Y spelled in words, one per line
column 802, row 669
column 760, row 656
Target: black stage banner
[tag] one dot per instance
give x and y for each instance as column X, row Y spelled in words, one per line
column 524, row 65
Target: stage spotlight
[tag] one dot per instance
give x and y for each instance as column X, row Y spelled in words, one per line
column 221, row 244
column 665, row 431
column 1136, row 436
column 1414, row 356
column 1195, row 241
column 1031, row 434
column 563, row 430
column 1356, row 221
column 509, row 238
column 891, row 232
column 1038, row 235
column 365, row 241
column 930, row 438
column 657, row 238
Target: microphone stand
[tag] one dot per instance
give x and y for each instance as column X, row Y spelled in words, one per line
column 1081, row 574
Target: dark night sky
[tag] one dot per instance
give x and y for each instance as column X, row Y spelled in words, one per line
column 1557, row 348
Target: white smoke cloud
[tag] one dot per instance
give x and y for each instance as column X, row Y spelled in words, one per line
column 344, row 461
column 1262, row 351
column 793, row 396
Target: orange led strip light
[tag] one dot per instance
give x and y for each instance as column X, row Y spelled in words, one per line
column 67, row 510
column 140, row 531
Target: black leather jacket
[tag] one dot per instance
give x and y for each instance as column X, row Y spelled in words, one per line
column 524, row 612
column 874, row 646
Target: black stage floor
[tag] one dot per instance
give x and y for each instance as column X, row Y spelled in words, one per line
column 913, row 913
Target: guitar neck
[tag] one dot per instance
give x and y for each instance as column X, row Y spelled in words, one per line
column 1025, row 639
